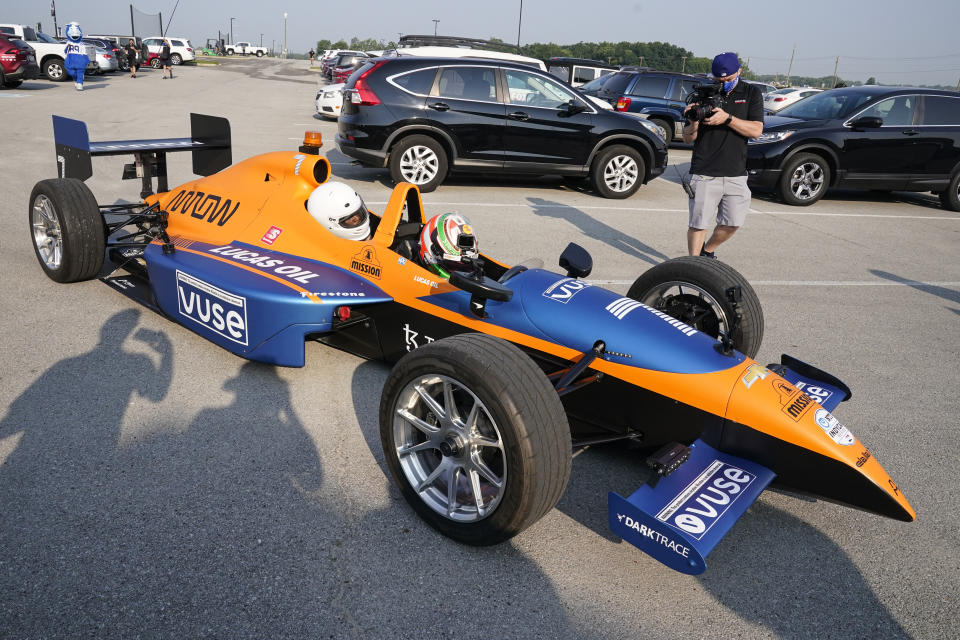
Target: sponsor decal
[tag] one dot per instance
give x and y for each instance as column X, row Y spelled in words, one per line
column 893, row 485
column 366, row 262
column 704, row 501
column 121, row 283
column 219, row 311
column 299, row 158
column 739, row 102
column 202, row 205
column 784, row 388
column 833, row 428
column 266, row 262
column 61, row 166
column 754, row 372
column 673, row 322
column 654, row 535
column 410, row 338
column 818, row 394
column 622, row 306
column 564, row 290
column 799, row 405
column 864, row 456
column 271, row 235
column 422, row 280
column 333, row 294
column 401, row 261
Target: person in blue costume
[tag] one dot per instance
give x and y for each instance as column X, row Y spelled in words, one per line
column 76, row 57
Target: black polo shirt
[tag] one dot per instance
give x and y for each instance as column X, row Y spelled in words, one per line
column 719, row 150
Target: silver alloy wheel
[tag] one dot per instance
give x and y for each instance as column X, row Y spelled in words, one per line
column 46, row 232
column 621, row 173
column 55, row 70
column 807, row 180
column 449, row 448
column 419, row 164
column 697, row 302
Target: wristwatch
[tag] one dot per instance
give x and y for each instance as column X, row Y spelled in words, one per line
column 728, row 120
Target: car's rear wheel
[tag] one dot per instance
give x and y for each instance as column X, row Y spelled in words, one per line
column 67, row 230
column 950, row 197
column 259, row 54
column 698, row 292
column 666, row 128
column 176, row 59
column 617, row 172
column 475, row 437
column 804, row 179
column 155, row 63
column 229, row 52
column 54, row 70
column 420, row 160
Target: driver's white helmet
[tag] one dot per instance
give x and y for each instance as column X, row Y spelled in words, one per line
column 341, row 210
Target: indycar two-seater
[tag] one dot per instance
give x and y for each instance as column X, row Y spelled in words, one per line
column 499, row 372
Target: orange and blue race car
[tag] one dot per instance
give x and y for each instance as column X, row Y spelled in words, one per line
column 499, row 371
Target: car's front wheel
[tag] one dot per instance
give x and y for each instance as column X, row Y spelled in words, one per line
column 804, row 179
column 259, row 54
column 420, row 160
column 950, row 197
column 67, row 230
column 703, row 293
column 617, row 172
column 54, row 70
column 475, row 437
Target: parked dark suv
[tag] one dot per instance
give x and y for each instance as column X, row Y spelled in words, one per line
column 657, row 94
column 17, row 62
column 870, row 137
column 422, row 117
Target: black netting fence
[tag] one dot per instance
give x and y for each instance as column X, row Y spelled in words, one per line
column 146, row 24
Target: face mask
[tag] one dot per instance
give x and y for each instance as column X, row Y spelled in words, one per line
column 728, row 86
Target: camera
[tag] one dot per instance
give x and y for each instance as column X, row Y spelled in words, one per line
column 705, row 99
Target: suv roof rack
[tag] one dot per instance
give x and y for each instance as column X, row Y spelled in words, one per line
column 564, row 60
column 456, row 41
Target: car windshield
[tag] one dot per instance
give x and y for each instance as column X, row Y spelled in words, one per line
column 42, row 37
column 593, row 85
column 826, row 105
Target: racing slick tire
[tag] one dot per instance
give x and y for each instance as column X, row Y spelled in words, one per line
column 695, row 290
column 55, row 70
column 804, row 179
column 175, row 59
column 496, row 463
column 67, row 229
column 617, row 172
column 950, row 197
column 420, row 160
column 666, row 128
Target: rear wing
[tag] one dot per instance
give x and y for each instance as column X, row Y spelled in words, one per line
column 209, row 144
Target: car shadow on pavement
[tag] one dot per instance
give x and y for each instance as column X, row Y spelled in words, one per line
column 593, row 228
column 918, row 199
column 935, row 290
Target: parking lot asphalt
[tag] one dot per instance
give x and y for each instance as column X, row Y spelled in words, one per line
column 154, row 485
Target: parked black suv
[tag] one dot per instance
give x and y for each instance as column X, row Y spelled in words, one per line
column 870, row 137
column 659, row 95
column 422, row 117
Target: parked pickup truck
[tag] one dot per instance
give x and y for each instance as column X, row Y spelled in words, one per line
column 49, row 52
column 247, row 49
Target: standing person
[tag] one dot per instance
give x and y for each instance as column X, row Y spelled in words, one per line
column 718, row 169
column 312, row 54
column 132, row 57
column 75, row 56
column 165, row 59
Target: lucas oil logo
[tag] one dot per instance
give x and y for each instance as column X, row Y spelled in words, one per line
column 366, row 262
column 219, row 311
column 564, row 290
column 706, row 499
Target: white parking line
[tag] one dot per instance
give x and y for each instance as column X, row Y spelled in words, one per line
column 818, row 283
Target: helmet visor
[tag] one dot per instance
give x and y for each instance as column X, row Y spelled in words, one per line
column 355, row 219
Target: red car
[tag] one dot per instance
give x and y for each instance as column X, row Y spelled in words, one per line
column 17, row 62
column 342, row 72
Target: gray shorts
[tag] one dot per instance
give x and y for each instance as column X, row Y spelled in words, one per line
column 728, row 198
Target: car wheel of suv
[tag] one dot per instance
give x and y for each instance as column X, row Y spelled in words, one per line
column 618, row 172
column 950, row 198
column 420, row 160
column 176, row 59
column 475, row 437
column 67, row 230
column 54, row 70
column 666, row 128
column 804, row 179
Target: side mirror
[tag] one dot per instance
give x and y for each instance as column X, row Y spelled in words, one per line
column 572, row 108
column 867, row 122
column 480, row 289
column 576, row 261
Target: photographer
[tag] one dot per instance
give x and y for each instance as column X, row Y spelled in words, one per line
column 720, row 119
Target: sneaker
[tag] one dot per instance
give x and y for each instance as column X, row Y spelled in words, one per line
column 707, row 254
column 79, row 87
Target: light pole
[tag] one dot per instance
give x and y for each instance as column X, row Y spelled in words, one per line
column 519, row 22
column 284, row 34
column 231, row 30
column 435, row 23
column 261, row 39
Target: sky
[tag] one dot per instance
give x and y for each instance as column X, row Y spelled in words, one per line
column 896, row 42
